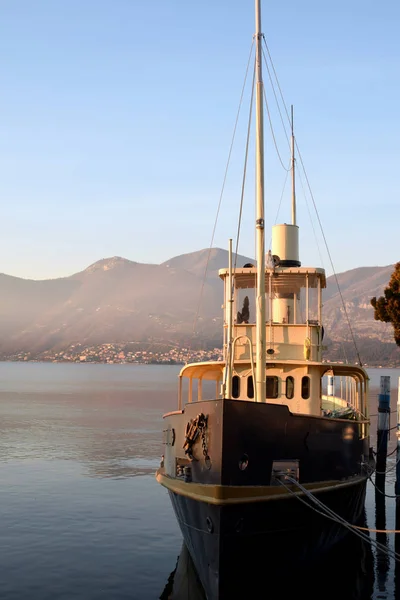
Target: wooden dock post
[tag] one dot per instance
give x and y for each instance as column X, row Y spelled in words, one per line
column 382, row 558
column 397, row 501
column 383, row 431
column 397, row 484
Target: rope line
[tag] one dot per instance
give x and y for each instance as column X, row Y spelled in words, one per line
column 380, row 491
column 272, row 132
column 327, row 512
column 330, row 257
column 376, row 530
column 244, row 173
column 231, row 291
column 269, row 115
column 390, row 468
column 311, row 220
column 222, row 192
column 387, row 455
column 280, row 203
column 315, row 208
column 376, row 414
column 276, row 99
column 277, row 82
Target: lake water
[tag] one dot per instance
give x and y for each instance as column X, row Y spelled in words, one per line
column 81, row 515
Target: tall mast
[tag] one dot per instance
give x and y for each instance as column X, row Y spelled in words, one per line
column 293, row 175
column 228, row 353
column 260, row 245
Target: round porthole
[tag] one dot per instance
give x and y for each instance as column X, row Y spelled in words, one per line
column 244, row 462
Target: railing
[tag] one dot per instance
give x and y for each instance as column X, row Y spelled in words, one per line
column 286, row 342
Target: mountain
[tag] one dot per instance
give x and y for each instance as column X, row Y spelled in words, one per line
column 118, row 300
column 357, row 287
column 374, row 339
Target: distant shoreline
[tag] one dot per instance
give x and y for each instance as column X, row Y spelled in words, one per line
column 155, row 362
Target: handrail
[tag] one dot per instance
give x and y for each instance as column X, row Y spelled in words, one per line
column 246, row 337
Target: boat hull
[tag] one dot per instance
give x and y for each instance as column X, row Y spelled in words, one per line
column 232, row 545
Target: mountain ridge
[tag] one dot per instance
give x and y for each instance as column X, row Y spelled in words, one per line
column 115, row 300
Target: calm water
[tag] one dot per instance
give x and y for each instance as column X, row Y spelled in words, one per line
column 81, row 515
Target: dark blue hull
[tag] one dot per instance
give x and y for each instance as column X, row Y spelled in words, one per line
column 234, row 542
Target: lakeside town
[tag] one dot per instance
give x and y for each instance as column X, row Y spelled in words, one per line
column 137, row 353
column 119, row 353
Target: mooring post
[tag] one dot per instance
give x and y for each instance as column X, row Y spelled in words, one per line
column 383, row 431
column 382, row 559
column 397, row 501
column 397, row 484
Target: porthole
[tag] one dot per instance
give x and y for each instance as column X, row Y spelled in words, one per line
column 235, row 386
column 250, row 387
column 272, row 386
column 289, row 387
column 305, row 387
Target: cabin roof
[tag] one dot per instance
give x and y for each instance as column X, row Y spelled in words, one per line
column 283, row 278
column 213, row 370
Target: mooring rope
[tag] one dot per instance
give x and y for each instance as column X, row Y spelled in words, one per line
column 380, row 491
column 389, row 468
column 327, row 512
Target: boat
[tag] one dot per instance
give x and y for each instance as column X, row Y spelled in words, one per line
column 266, row 465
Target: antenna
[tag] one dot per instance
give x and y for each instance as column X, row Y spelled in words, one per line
column 293, row 173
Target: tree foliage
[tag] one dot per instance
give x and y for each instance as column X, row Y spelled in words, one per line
column 387, row 307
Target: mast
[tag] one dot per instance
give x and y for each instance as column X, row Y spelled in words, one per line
column 227, row 390
column 260, row 245
column 293, row 174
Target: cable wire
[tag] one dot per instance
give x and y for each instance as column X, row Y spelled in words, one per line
column 222, row 191
column 330, row 514
column 315, row 208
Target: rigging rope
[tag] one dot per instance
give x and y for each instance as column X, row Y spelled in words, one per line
column 269, row 114
column 277, row 80
column 231, row 291
column 279, row 205
column 274, row 92
column 309, row 214
column 330, row 258
column 272, row 132
column 315, row 208
column 244, row 173
column 221, row 194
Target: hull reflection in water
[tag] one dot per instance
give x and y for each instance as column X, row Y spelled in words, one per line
column 347, row 573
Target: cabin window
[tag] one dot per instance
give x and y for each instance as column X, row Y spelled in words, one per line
column 250, row 387
column 289, row 387
column 305, row 387
column 235, row 386
column 272, row 386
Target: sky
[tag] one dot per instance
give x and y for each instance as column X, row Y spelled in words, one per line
column 117, row 117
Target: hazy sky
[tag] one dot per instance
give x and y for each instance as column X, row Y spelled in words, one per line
column 116, row 118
